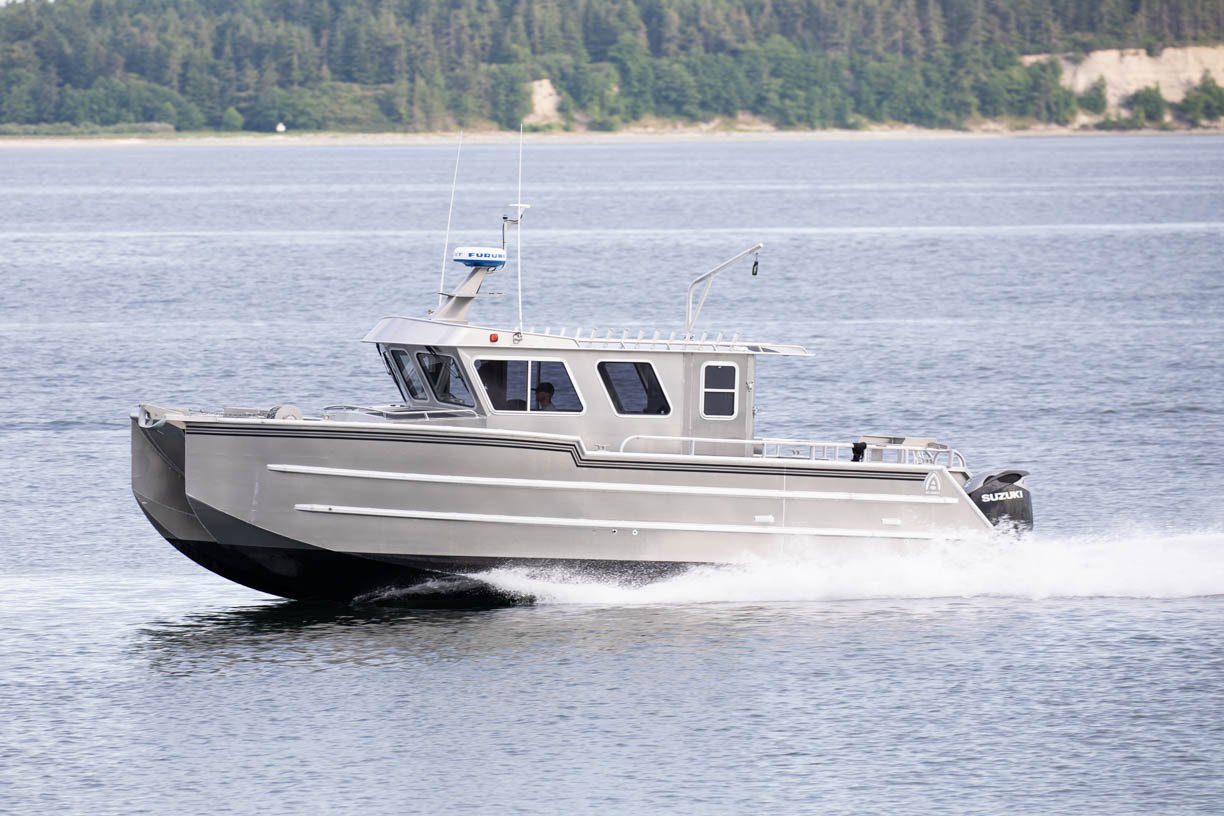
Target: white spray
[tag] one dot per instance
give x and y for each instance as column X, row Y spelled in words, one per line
column 1132, row 565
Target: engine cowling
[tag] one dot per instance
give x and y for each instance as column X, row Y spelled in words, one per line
column 1003, row 498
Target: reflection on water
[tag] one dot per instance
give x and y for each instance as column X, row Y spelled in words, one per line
column 255, row 632
column 294, row 633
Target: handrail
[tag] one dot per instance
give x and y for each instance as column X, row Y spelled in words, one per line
column 780, row 448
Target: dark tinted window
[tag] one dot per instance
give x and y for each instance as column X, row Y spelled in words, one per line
column 634, row 388
column 445, row 379
column 505, row 381
column 718, row 390
column 718, row 403
column 720, row 376
column 408, row 373
column 564, row 396
column 522, row 385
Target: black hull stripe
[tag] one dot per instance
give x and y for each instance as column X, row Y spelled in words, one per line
column 572, row 449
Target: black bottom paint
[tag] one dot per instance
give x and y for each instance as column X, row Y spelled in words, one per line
column 270, row 563
column 311, row 574
column 299, row 573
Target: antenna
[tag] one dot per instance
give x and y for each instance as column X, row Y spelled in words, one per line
column 449, row 212
column 519, row 208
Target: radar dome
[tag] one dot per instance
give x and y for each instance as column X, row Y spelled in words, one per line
column 472, row 256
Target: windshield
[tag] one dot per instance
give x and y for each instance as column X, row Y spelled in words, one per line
column 409, row 376
column 445, row 379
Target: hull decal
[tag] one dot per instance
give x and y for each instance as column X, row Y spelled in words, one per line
column 628, row 461
column 632, row 527
column 560, row 484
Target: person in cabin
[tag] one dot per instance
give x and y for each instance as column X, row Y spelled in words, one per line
column 544, row 397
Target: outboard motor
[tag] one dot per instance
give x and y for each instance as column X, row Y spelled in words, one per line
column 1003, row 498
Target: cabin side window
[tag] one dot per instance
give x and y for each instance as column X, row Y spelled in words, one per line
column 408, row 375
column 445, row 379
column 719, row 390
column 529, row 385
column 634, row 388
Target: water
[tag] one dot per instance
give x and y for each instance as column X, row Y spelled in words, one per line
column 1053, row 304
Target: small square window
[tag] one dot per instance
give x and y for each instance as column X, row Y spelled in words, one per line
column 719, row 404
column 719, row 390
column 721, row 377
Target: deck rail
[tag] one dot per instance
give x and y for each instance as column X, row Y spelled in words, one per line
column 658, row 341
column 775, row 448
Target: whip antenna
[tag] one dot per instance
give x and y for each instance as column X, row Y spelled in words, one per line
column 449, row 212
column 518, row 237
column 519, row 209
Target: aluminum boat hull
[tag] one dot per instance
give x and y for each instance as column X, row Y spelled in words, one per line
column 317, row 509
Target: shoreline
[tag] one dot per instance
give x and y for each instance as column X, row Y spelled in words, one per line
column 629, row 135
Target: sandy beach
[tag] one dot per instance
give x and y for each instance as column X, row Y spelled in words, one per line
column 630, row 135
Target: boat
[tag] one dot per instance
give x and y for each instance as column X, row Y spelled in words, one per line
column 630, row 457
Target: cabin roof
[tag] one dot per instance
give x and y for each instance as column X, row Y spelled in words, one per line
column 426, row 332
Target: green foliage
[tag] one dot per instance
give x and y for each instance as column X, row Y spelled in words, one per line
column 430, row 64
column 1148, row 105
column 1203, row 102
column 112, row 101
column 675, row 90
column 636, row 70
column 330, row 105
column 1026, row 91
column 232, row 119
column 1148, row 108
column 296, row 109
column 510, row 101
column 27, row 98
column 67, row 129
column 1131, row 122
column 1093, row 100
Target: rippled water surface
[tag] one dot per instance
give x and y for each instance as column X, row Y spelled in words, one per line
column 1053, row 304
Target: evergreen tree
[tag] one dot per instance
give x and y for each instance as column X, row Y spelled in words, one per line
column 419, row 64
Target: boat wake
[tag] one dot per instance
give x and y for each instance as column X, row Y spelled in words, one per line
column 1132, row 565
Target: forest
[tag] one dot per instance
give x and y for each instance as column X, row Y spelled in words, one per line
column 422, row 65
